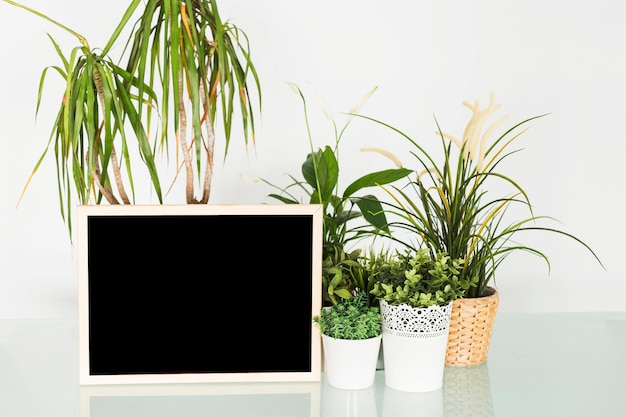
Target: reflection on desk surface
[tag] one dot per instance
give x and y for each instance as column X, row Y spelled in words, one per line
column 540, row 365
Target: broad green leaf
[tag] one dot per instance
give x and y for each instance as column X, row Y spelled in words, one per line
column 376, row 178
column 321, row 171
column 343, row 293
column 372, row 210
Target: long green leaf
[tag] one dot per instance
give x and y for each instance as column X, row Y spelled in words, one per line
column 376, row 178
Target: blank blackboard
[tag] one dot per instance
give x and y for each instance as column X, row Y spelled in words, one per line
column 192, row 293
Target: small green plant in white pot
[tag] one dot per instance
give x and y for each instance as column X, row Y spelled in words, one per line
column 351, row 337
column 416, row 291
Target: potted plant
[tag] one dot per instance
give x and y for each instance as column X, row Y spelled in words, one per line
column 450, row 206
column 416, row 291
column 351, row 336
column 182, row 70
column 347, row 217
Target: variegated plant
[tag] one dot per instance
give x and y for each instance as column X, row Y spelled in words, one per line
column 182, row 70
column 449, row 206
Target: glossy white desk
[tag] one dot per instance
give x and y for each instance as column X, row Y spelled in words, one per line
column 539, row 365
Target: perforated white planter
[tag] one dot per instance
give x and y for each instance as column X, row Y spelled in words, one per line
column 415, row 341
column 350, row 364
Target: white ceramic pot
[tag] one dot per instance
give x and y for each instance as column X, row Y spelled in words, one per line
column 415, row 341
column 350, row 364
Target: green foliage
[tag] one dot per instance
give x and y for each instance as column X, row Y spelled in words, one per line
column 184, row 67
column 450, row 206
column 202, row 66
column 351, row 318
column 341, row 270
column 417, row 279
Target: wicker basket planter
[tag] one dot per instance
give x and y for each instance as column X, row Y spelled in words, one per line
column 471, row 324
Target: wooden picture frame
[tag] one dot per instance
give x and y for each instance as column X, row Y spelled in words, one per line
column 199, row 293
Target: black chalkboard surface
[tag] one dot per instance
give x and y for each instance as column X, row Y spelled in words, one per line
column 208, row 293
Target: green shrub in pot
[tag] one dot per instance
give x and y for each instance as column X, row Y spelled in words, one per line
column 351, row 335
column 351, row 319
column 415, row 278
column 416, row 292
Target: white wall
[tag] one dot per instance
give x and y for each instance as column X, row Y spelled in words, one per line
column 563, row 57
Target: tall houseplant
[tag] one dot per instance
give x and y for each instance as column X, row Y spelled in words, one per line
column 182, row 70
column 450, row 206
column 347, row 216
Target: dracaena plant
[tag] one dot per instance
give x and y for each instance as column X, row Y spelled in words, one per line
column 347, row 216
column 417, row 278
column 182, row 70
column 449, row 205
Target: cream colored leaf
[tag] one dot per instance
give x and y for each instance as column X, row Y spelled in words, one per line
column 385, row 153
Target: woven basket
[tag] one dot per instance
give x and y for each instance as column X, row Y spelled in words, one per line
column 471, row 324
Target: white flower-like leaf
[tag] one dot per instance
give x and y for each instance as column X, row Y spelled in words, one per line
column 474, row 142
